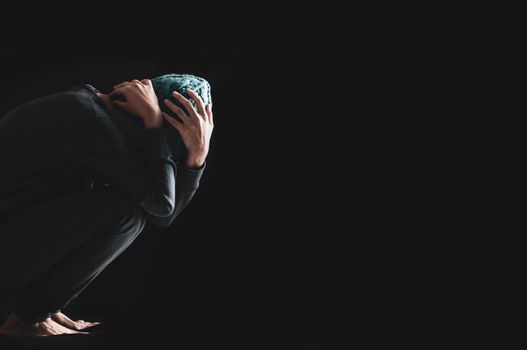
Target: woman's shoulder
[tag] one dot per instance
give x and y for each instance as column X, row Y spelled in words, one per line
column 85, row 88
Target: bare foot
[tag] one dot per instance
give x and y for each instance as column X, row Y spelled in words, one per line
column 64, row 320
column 15, row 327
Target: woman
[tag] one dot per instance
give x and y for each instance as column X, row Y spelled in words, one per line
column 82, row 172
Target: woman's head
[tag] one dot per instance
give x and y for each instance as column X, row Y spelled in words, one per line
column 163, row 87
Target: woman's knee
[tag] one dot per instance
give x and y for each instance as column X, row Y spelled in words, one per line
column 134, row 222
column 128, row 217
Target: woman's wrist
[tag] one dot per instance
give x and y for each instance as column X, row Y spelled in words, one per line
column 153, row 119
column 193, row 161
column 153, row 122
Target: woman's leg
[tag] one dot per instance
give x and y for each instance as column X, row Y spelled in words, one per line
column 55, row 249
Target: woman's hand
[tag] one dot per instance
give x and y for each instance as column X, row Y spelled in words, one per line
column 139, row 100
column 195, row 127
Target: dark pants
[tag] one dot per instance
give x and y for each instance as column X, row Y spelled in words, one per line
column 54, row 249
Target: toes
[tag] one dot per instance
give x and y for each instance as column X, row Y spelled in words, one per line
column 52, row 332
column 64, row 329
column 83, row 326
column 90, row 324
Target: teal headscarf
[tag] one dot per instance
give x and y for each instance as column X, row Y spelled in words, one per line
column 163, row 87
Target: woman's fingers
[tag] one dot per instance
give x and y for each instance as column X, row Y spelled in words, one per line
column 209, row 112
column 172, row 121
column 199, row 102
column 120, row 94
column 121, row 85
column 117, row 89
column 135, row 81
column 179, row 112
column 121, row 104
column 186, row 103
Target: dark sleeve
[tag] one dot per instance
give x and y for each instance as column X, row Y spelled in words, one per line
column 157, row 175
column 187, row 182
column 146, row 175
column 135, row 160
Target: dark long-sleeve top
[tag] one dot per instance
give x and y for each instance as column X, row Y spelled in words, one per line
column 63, row 141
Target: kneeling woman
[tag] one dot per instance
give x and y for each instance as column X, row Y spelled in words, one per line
column 82, row 173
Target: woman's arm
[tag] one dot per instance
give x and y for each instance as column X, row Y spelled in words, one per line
column 187, row 182
column 139, row 99
column 143, row 169
column 147, row 174
column 194, row 125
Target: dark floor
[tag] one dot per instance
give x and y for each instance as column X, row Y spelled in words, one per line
column 123, row 340
column 239, row 267
column 140, row 332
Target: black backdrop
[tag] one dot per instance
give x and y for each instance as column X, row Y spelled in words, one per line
column 245, row 258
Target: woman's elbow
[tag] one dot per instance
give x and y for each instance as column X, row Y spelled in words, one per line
column 161, row 208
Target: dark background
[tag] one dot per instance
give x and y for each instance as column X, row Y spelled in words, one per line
column 247, row 258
